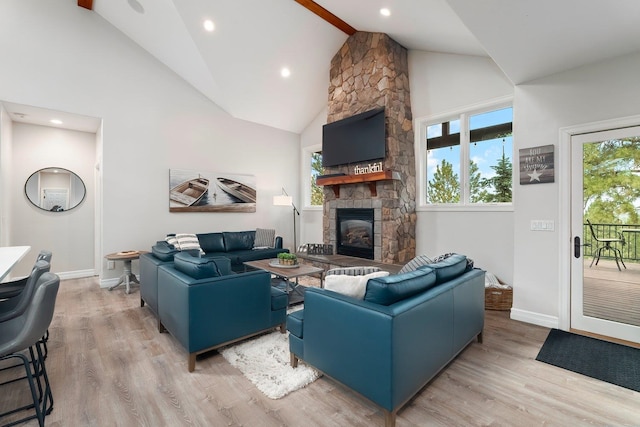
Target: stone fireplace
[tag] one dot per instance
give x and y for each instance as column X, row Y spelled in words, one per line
column 371, row 71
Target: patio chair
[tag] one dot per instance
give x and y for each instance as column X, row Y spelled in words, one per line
column 604, row 243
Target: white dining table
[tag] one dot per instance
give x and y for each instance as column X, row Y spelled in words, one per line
column 10, row 256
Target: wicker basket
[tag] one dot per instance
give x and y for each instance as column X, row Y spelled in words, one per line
column 498, row 298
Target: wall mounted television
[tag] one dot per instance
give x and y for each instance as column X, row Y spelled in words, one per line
column 354, row 139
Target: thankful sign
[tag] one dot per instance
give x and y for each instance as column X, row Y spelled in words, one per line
column 536, row 165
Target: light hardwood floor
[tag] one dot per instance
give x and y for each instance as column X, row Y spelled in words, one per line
column 110, row 367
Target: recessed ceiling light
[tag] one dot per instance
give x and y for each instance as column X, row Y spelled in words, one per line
column 55, row 121
column 285, row 72
column 385, row 12
column 209, row 25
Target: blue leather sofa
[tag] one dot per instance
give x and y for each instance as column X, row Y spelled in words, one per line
column 237, row 246
column 203, row 305
column 388, row 346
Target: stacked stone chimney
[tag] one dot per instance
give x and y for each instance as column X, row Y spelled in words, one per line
column 368, row 72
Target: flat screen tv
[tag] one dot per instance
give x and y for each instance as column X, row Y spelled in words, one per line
column 358, row 138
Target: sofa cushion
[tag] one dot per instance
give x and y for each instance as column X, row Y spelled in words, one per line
column 238, row 240
column 198, row 268
column 353, row 286
column 211, row 242
column 418, row 261
column 265, row 238
column 449, row 268
column 255, row 254
column 163, row 251
column 188, row 242
column 391, row 289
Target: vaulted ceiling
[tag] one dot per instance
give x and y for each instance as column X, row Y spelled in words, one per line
column 238, row 64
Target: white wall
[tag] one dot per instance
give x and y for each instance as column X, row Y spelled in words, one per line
column 442, row 83
column 603, row 91
column 68, row 235
column 70, row 59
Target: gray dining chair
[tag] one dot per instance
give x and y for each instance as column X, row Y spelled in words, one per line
column 24, row 332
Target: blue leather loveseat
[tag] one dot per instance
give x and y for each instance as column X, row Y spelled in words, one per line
column 389, row 345
column 204, row 306
column 237, row 246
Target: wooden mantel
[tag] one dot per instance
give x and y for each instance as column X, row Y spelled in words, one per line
column 368, row 178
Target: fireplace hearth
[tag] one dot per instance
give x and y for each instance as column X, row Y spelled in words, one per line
column 354, row 229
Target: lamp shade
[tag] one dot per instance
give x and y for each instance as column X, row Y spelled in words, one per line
column 282, row 200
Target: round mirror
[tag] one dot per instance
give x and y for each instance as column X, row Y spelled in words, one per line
column 55, row 189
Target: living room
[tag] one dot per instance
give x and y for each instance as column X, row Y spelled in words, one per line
column 153, row 121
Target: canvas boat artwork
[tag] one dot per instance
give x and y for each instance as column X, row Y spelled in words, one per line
column 203, row 191
column 238, row 190
column 189, row 192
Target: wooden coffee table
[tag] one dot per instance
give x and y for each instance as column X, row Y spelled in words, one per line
column 288, row 273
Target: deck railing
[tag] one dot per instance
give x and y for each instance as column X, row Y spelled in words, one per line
column 630, row 249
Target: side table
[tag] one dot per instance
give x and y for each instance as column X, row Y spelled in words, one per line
column 127, row 277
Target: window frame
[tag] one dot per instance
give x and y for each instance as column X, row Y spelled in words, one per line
column 421, row 125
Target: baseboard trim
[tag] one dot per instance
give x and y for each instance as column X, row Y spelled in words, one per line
column 79, row 274
column 534, row 318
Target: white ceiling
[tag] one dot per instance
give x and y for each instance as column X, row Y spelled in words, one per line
column 238, row 65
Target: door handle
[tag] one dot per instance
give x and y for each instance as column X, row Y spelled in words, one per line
column 577, row 246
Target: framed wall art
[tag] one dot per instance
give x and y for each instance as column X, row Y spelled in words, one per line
column 537, row 165
column 201, row 191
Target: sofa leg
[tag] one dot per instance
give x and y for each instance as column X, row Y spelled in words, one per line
column 192, row 362
column 141, row 302
column 161, row 327
column 283, row 328
column 294, row 360
column 480, row 337
column 389, row 418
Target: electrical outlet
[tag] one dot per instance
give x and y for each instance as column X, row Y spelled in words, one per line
column 111, row 265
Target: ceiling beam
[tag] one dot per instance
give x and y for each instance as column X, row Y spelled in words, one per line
column 87, row 4
column 326, row 15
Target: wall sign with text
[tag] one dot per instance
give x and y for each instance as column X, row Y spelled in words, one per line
column 536, row 165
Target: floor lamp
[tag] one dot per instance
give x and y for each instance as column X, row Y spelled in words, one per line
column 286, row 200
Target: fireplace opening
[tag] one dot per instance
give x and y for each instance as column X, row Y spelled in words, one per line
column 354, row 232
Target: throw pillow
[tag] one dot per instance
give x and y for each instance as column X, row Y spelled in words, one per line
column 353, row 286
column 172, row 240
column 418, row 261
column 188, row 242
column 264, row 238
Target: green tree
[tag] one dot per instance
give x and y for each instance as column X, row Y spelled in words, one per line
column 500, row 183
column 477, row 186
column 445, row 185
column 612, row 181
column 317, row 195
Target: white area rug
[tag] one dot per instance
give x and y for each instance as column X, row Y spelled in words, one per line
column 265, row 362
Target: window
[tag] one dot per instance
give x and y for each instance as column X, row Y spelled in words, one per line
column 317, row 195
column 313, row 194
column 469, row 157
